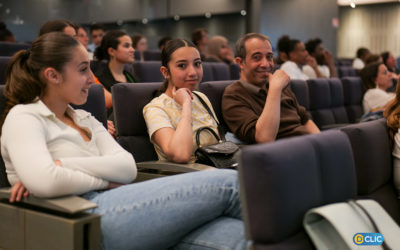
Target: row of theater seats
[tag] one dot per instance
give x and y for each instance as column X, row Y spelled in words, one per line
column 149, row 71
column 277, row 190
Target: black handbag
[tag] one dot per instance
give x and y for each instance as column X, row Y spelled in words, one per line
column 224, row 154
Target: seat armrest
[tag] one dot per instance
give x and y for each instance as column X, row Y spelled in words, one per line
column 173, row 167
column 67, row 204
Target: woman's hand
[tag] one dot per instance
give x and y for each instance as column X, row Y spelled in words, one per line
column 182, row 95
column 17, row 191
column 111, row 128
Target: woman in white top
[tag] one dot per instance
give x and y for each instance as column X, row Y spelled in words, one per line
column 173, row 118
column 50, row 150
column 376, row 79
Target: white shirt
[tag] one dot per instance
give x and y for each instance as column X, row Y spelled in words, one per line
column 310, row 72
column 376, row 98
column 294, row 71
column 358, row 64
column 33, row 138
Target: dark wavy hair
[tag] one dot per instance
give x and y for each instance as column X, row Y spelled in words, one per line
column 110, row 40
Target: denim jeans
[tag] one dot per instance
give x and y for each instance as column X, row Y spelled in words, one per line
column 199, row 210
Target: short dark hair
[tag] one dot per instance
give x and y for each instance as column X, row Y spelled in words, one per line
column 57, row 25
column 96, row 26
column 197, row 35
column 312, row 44
column 362, row 51
column 240, row 44
column 164, row 41
column 385, row 56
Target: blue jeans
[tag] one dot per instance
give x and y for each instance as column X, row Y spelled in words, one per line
column 199, row 210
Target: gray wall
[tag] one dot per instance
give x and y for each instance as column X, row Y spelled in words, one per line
column 300, row 19
column 373, row 26
column 25, row 17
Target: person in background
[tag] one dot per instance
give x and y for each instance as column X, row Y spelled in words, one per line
column 373, row 58
column 376, row 80
column 219, row 50
column 58, row 25
column 84, row 39
column 361, row 57
column 139, row 43
column 297, row 58
column 5, row 34
column 116, row 48
column 391, row 64
column 260, row 107
column 324, row 58
column 281, row 46
column 163, row 41
column 200, row 39
column 52, row 150
column 174, row 117
column 97, row 32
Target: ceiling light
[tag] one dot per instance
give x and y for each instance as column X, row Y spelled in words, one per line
column 243, row 12
column 353, row 5
column 177, row 17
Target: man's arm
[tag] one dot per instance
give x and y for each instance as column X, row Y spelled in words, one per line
column 311, row 127
column 267, row 125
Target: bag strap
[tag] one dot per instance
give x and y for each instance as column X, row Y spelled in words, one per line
column 354, row 203
column 205, row 128
column 220, row 128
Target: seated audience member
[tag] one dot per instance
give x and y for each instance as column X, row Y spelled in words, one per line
column 97, row 32
column 116, row 48
column 219, row 50
column 376, row 79
column 260, row 107
column 324, row 58
column 281, row 46
column 392, row 114
column 391, row 64
column 58, row 25
column 174, row 117
column 373, row 58
column 200, row 39
column 5, row 34
column 52, row 150
column 69, row 28
column 297, row 58
column 82, row 37
column 361, row 56
column 139, row 43
column 163, row 41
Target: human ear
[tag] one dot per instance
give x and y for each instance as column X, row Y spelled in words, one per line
column 165, row 72
column 111, row 52
column 52, row 76
column 239, row 61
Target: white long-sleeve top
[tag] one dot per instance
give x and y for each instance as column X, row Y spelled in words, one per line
column 33, row 138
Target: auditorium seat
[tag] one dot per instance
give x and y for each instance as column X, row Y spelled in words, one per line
column 147, row 71
column 95, row 104
column 62, row 221
column 301, row 91
column 214, row 91
column 128, row 102
column 353, row 95
column 4, row 60
column 281, row 181
column 9, row 49
column 235, row 71
column 208, row 74
column 373, row 163
column 344, row 71
column 327, row 102
column 152, row 55
column 220, row 71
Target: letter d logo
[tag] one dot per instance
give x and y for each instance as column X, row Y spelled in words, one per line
column 358, row 239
